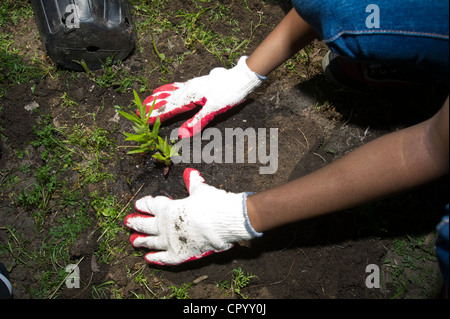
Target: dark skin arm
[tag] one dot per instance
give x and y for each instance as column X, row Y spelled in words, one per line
column 290, row 36
column 390, row 164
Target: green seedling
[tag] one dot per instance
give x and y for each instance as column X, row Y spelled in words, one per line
column 143, row 135
column 181, row 292
column 240, row 280
column 148, row 138
column 166, row 151
column 83, row 64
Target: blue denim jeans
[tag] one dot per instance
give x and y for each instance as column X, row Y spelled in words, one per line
column 408, row 32
column 442, row 248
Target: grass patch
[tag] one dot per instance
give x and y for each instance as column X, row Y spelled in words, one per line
column 16, row 66
column 62, row 207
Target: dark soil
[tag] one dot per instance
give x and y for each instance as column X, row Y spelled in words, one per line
column 324, row 257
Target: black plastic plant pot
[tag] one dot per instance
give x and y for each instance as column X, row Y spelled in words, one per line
column 92, row 31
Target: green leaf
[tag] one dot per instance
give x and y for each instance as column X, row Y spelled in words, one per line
column 137, row 99
column 149, row 113
column 137, row 138
column 162, row 158
column 140, row 106
column 159, row 157
column 156, row 126
column 131, row 117
column 174, row 151
column 138, row 150
column 139, row 129
column 161, row 146
column 150, row 145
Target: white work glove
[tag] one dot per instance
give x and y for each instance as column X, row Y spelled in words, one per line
column 217, row 92
column 209, row 220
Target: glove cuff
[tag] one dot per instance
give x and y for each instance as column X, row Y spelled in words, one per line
column 252, row 79
column 242, row 63
column 232, row 224
column 248, row 225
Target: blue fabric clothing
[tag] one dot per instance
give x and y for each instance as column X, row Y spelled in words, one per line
column 442, row 248
column 409, row 32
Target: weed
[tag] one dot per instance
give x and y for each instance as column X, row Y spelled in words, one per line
column 141, row 279
column 41, row 193
column 66, row 101
column 181, row 292
column 25, row 168
column 85, row 67
column 15, row 247
column 15, row 67
column 11, row 11
column 62, row 204
column 105, row 290
column 115, row 75
column 163, row 61
column 409, row 266
column 224, row 47
column 239, row 281
column 194, row 26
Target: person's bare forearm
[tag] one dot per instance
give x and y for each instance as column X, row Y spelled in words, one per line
column 388, row 165
column 290, row 36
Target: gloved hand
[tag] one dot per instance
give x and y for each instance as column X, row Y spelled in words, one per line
column 209, row 220
column 217, row 92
